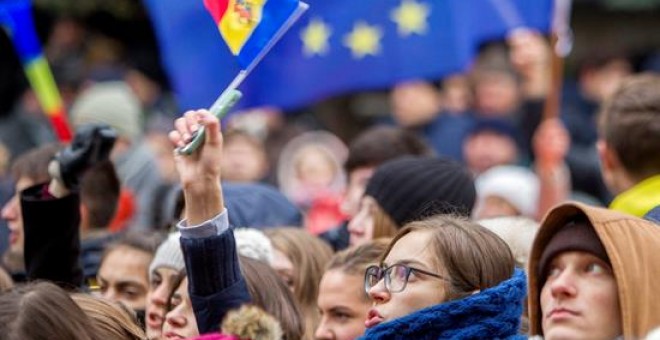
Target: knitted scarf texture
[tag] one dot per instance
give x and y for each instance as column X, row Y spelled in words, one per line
column 493, row 313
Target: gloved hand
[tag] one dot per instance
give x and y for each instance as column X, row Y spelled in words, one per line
column 91, row 144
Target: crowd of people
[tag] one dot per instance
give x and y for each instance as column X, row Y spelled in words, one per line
column 467, row 212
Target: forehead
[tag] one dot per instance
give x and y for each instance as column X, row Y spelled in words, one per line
column 124, row 263
column 338, row 288
column 413, row 246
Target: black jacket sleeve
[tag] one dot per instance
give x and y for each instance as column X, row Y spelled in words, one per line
column 52, row 236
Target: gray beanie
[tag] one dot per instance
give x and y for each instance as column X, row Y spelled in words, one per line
column 169, row 255
column 112, row 103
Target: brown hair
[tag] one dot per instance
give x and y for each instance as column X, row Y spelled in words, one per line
column 473, row 257
column 270, row 293
column 380, row 144
column 355, row 260
column 34, row 163
column 309, row 256
column 384, row 225
column 111, row 320
column 630, row 125
column 42, row 311
column 99, row 192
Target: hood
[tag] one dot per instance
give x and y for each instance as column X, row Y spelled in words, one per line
column 260, row 206
column 632, row 246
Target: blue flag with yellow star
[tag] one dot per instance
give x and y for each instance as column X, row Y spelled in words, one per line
column 336, row 47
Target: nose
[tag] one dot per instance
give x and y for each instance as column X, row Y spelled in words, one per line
column 323, row 332
column 159, row 296
column 9, row 211
column 174, row 319
column 379, row 293
column 563, row 285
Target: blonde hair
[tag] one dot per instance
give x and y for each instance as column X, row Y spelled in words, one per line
column 384, row 225
column 110, row 320
column 309, row 256
column 6, row 283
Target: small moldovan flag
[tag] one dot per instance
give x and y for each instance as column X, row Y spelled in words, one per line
column 251, row 27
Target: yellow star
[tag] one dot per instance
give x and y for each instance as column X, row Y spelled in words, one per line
column 411, row 17
column 315, row 38
column 363, row 40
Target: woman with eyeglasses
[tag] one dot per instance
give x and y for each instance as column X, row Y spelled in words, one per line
column 444, row 277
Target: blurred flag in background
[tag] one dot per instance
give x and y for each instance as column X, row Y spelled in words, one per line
column 16, row 19
column 337, row 47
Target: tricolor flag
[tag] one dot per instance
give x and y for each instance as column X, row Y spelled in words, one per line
column 16, row 19
column 251, row 27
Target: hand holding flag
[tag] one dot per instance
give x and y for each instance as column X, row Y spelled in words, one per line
column 250, row 28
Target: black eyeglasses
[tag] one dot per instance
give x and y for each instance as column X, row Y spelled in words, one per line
column 396, row 277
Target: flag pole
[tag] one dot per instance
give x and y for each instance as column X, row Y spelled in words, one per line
column 561, row 44
column 230, row 96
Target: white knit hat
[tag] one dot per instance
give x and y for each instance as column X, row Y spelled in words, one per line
column 169, row 255
column 253, row 243
column 112, row 103
column 515, row 184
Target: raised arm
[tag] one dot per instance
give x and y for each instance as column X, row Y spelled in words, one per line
column 215, row 282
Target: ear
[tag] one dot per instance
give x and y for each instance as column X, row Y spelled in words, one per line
column 84, row 217
column 609, row 160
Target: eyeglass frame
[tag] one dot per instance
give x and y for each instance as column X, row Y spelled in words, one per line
column 388, row 278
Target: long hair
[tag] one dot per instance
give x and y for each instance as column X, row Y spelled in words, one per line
column 111, row 320
column 42, row 311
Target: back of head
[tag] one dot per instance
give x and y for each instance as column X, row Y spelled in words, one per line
column 410, row 188
column 34, row 163
column 110, row 320
column 251, row 322
column 473, row 256
column 112, row 103
column 380, row 144
column 269, row 292
column 99, row 193
column 631, row 246
column 309, row 256
column 630, row 125
column 275, row 209
column 42, row 311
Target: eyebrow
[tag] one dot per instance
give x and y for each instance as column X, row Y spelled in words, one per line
column 409, row 262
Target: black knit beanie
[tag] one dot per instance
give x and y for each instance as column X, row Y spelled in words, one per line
column 411, row 188
column 577, row 235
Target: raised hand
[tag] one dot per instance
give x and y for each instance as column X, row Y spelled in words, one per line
column 199, row 172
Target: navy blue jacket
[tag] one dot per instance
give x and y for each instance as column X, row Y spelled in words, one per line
column 215, row 282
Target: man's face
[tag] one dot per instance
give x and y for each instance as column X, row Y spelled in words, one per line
column 11, row 212
column 123, row 276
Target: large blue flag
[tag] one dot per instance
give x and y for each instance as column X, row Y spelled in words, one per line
column 338, row 46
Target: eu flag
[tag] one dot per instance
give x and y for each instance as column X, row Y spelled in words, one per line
column 337, row 47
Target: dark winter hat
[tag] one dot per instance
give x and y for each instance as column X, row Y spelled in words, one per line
column 260, row 206
column 576, row 235
column 411, row 188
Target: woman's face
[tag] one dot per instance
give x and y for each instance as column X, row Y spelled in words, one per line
column 343, row 306
column 180, row 321
column 361, row 226
column 420, row 292
column 284, row 268
column 580, row 298
column 160, row 286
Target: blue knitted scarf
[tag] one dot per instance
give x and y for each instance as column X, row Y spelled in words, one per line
column 492, row 313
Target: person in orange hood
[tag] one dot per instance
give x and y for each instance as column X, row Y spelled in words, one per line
column 592, row 274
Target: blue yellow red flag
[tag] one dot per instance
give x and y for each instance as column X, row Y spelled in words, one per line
column 251, row 27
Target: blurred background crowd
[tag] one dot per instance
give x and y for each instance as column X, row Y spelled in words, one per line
column 315, row 168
